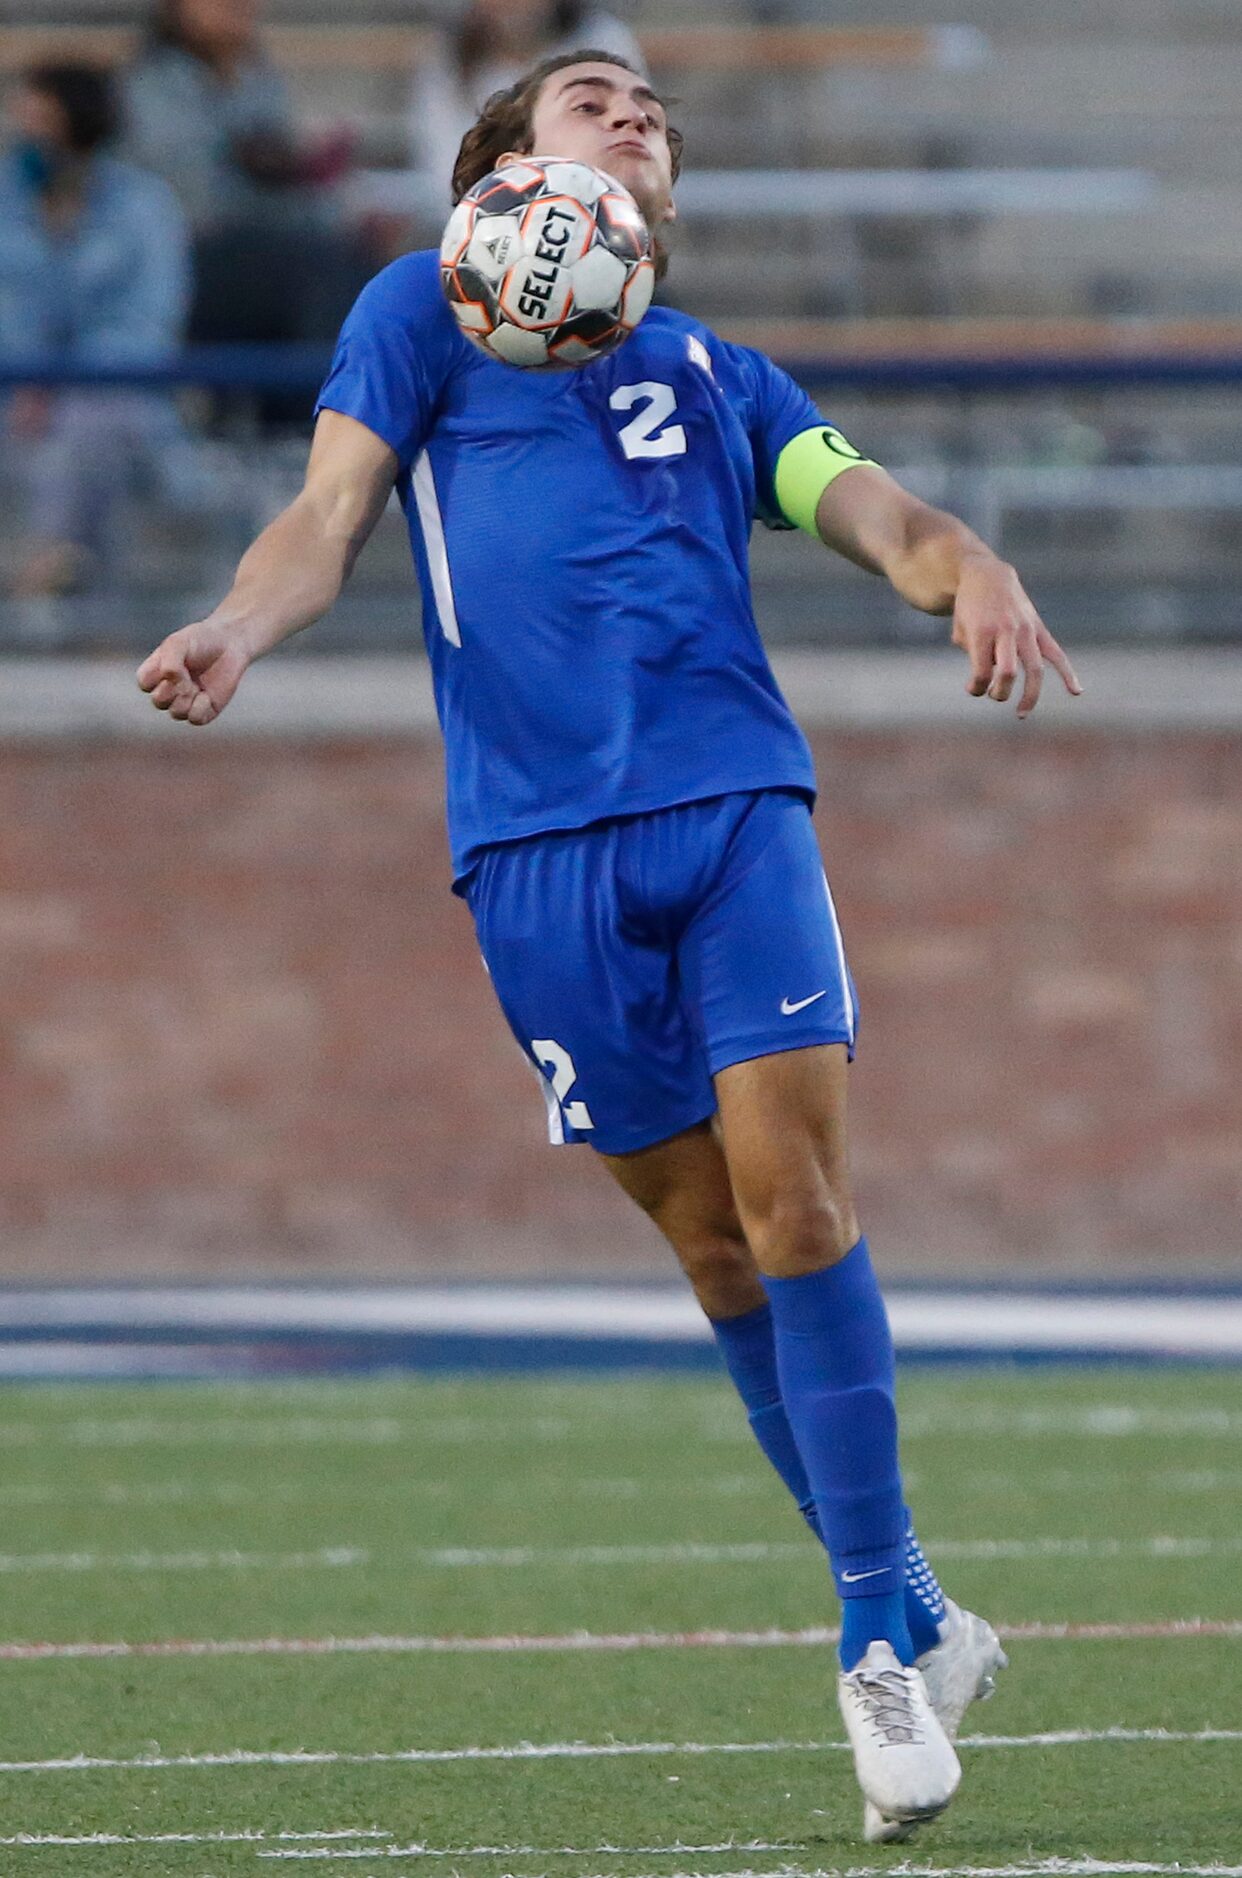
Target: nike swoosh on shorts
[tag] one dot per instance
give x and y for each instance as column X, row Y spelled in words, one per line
column 789, row 1010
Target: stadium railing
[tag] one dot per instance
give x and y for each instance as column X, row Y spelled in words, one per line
column 1113, row 361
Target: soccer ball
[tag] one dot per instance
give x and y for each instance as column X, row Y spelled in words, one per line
column 547, row 263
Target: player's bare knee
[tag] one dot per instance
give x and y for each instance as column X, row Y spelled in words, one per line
column 722, row 1274
column 800, row 1233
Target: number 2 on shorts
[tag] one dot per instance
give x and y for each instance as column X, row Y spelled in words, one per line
column 558, row 1066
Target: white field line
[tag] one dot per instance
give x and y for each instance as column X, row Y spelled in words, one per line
column 324, row 1845
column 581, row 1641
column 273, row 1431
column 765, row 1552
column 1135, row 1477
column 455, row 1558
column 576, row 1751
column 328, row 1557
column 1104, row 1420
column 753, row 1485
column 371, row 1394
column 299, row 1493
column 140, row 1432
column 28, row 1839
column 589, row 1425
column 538, row 1851
column 335, row 1845
column 1035, row 1868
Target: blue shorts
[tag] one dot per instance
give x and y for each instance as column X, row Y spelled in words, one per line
column 636, row 958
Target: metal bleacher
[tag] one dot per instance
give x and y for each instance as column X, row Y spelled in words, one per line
column 1147, row 90
column 1004, row 186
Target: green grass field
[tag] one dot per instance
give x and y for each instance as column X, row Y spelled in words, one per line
column 411, row 1509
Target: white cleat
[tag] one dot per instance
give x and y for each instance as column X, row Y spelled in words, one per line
column 903, row 1758
column 960, row 1669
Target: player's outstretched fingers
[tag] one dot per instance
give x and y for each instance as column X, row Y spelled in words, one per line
column 1055, row 657
column 1004, row 665
column 982, row 651
column 1032, row 671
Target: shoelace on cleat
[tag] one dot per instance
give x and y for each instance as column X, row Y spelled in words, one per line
column 888, row 1704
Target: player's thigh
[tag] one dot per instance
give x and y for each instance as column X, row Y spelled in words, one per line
column 683, row 1186
column 765, row 971
column 783, row 1123
column 595, row 1006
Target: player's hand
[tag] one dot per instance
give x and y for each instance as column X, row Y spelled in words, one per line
column 1000, row 632
column 194, row 673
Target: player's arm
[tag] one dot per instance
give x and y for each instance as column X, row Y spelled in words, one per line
column 934, row 561
column 940, row 566
column 289, row 578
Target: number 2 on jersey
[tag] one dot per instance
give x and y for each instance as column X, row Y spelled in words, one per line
column 644, row 435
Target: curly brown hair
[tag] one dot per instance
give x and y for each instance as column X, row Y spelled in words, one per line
column 506, row 120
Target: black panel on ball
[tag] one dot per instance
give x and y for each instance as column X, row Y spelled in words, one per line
column 495, row 195
column 591, row 328
column 620, row 237
column 466, row 283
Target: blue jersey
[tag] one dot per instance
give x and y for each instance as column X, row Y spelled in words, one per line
column 582, row 544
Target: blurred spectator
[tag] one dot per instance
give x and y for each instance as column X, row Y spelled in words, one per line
column 494, row 43
column 93, row 271
column 207, row 109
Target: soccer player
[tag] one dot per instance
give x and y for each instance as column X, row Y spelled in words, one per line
column 629, row 805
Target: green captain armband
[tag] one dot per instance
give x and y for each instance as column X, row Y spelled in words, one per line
column 806, row 466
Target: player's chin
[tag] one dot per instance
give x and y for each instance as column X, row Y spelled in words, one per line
column 639, row 172
column 643, row 180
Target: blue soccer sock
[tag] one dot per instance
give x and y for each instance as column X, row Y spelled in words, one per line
column 749, row 1350
column 834, row 1361
column 748, row 1346
column 925, row 1606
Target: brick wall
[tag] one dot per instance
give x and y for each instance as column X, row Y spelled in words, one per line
column 243, row 1025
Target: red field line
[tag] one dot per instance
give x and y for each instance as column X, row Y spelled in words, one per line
column 573, row 1641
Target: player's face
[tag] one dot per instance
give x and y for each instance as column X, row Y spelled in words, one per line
column 609, row 117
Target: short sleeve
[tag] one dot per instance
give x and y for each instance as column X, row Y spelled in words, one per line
column 780, row 411
column 394, row 354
